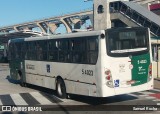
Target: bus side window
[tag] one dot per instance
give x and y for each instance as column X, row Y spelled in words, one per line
column 60, row 51
column 31, row 50
column 75, row 55
column 53, row 50
column 23, row 50
column 44, row 50
column 92, row 50
column 27, row 51
column 64, row 51
column 78, row 50
column 39, row 51
column 17, row 50
column 11, row 50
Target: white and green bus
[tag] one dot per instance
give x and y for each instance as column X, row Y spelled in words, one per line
column 94, row 63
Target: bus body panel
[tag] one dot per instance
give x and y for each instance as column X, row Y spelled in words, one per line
column 120, row 71
column 143, row 87
column 140, row 69
column 103, row 65
column 127, row 75
column 76, row 77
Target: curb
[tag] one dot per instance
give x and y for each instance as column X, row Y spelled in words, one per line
column 157, row 79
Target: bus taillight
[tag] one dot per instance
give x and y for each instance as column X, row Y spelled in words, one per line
column 107, row 72
column 108, row 77
column 150, row 72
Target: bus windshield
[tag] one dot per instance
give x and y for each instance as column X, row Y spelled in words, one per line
column 127, row 41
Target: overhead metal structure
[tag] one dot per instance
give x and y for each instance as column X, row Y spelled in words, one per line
column 145, row 1
column 136, row 15
column 49, row 25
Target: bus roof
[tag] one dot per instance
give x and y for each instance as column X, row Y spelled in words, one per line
column 69, row 35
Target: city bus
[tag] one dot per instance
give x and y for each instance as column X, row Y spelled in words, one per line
column 93, row 63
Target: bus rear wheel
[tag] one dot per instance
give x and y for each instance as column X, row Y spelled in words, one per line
column 61, row 88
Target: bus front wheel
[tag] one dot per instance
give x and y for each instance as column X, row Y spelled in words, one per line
column 61, row 88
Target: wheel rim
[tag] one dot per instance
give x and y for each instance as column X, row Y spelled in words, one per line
column 59, row 89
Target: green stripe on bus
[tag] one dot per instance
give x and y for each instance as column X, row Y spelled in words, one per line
column 140, row 68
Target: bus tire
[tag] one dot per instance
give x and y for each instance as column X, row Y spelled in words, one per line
column 22, row 84
column 61, row 88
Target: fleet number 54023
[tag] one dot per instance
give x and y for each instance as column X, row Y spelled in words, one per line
column 87, row 72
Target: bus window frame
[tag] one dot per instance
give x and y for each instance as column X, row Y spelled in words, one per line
column 126, row 54
column 31, row 50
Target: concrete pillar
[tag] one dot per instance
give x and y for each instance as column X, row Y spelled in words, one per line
column 67, row 25
column 42, row 28
column 76, row 23
column 52, row 27
column 101, row 15
column 91, row 18
column 15, row 28
column 26, row 28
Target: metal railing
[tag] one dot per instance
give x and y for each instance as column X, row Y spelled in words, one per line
column 135, row 16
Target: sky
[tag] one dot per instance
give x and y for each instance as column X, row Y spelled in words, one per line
column 20, row 11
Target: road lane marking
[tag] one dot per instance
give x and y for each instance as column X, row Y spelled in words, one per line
column 1, row 102
column 156, row 100
column 51, row 98
column 6, row 100
column 143, row 95
column 156, row 90
column 18, row 100
column 153, row 91
column 133, row 95
column 40, row 98
column 146, row 92
column 149, row 97
column 30, row 100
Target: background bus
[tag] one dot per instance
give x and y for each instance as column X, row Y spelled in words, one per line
column 3, row 53
column 94, row 63
column 7, row 36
